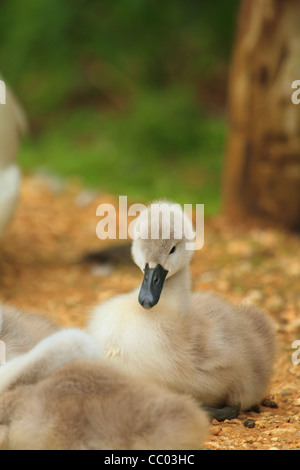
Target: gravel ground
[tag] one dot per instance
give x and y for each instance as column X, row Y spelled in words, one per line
column 40, row 270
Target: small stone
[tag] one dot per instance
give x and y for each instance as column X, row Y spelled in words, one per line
column 215, row 445
column 234, row 421
column 268, row 403
column 255, row 408
column 260, row 423
column 216, row 431
column 256, row 444
column 249, row 423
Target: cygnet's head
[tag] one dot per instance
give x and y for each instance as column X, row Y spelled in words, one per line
column 162, row 246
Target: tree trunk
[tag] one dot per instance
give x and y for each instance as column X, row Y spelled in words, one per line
column 262, row 171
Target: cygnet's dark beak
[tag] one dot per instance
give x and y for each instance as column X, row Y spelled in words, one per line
column 152, row 286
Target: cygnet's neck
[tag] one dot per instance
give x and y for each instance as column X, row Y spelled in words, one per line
column 177, row 291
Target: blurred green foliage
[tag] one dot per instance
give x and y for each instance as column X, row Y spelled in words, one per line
column 112, row 91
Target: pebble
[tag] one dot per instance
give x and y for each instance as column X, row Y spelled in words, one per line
column 216, row 431
column 215, row 445
column 249, row 423
column 256, row 444
column 268, row 403
column 260, row 423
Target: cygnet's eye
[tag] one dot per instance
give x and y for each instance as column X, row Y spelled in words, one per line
column 173, row 250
